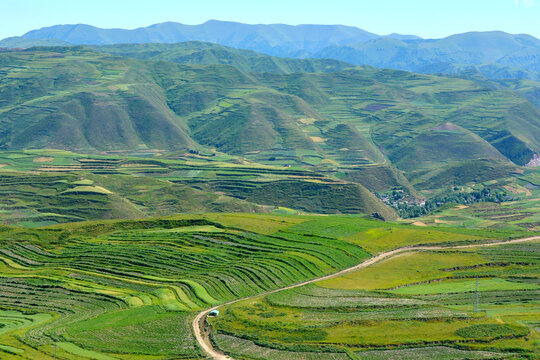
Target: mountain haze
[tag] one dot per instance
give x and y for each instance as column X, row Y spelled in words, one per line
column 478, row 49
column 276, row 39
column 496, row 54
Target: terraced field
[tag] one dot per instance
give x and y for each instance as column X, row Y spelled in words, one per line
column 523, row 213
column 129, row 289
column 40, row 188
column 418, row 305
column 334, row 121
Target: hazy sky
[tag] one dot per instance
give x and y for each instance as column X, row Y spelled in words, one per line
column 426, row 18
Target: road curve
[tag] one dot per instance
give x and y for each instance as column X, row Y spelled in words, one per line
column 206, row 345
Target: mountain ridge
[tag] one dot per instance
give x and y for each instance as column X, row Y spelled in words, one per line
column 513, row 55
column 300, row 39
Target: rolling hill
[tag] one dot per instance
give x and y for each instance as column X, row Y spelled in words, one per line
column 163, row 200
column 448, row 142
column 43, row 187
column 78, row 99
column 204, row 53
column 354, row 130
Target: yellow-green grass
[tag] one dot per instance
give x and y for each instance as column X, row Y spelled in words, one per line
column 403, row 269
column 427, row 353
column 110, row 273
column 398, row 332
column 377, row 237
column 76, row 350
column 380, row 239
column 464, row 285
column 134, row 282
column 134, row 331
column 203, row 228
column 433, row 306
column 10, row 350
column 262, row 224
column 87, row 189
column 15, row 320
column 290, row 326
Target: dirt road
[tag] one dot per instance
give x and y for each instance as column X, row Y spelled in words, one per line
column 206, row 345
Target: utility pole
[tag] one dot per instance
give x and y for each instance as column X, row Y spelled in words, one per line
column 476, row 297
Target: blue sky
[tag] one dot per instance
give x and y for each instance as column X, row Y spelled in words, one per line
column 426, row 18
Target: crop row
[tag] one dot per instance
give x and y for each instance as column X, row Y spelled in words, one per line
column 205, row 267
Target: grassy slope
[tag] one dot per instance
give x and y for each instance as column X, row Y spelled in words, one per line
column 127, row 187
column 128, row 289
column 520, row 214
column 201, row 53
column 419, row 305
column 448, row 142
column 38, row 200
column 295, row 112
column 339, row 123
column 76, row 99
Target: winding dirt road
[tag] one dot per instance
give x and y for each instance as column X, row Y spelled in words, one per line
column 206, row 345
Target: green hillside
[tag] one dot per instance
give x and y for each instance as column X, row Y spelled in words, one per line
column 448, row 142
column 47, row 187
column 415, row 306
column 129, row 289
column 160, row 200
column 352, row 129
column 187, row 105
column 73, row 98
column 201, row 53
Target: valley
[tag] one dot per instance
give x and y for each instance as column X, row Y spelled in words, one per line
column 249, row 192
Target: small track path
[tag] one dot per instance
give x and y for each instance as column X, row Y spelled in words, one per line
column 206, row 345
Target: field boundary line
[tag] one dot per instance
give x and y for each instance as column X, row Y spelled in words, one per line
column 206, row 344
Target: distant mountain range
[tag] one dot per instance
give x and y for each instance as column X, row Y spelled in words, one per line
column 278, row 39
column 495, row 54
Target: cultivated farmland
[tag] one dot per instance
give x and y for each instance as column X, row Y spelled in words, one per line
column 420, row 304
column 129, row 289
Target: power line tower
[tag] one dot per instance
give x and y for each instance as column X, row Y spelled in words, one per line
column 476, row 297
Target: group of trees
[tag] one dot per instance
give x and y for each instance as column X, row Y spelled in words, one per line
column 410, row 209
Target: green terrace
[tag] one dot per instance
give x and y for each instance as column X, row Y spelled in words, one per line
column 420, row 305
column 41, row 187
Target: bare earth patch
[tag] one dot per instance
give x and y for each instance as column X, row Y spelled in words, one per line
column 516, row 189
column 43, row 159
column 419, row 223
column 317, row 139
column 461, row 207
